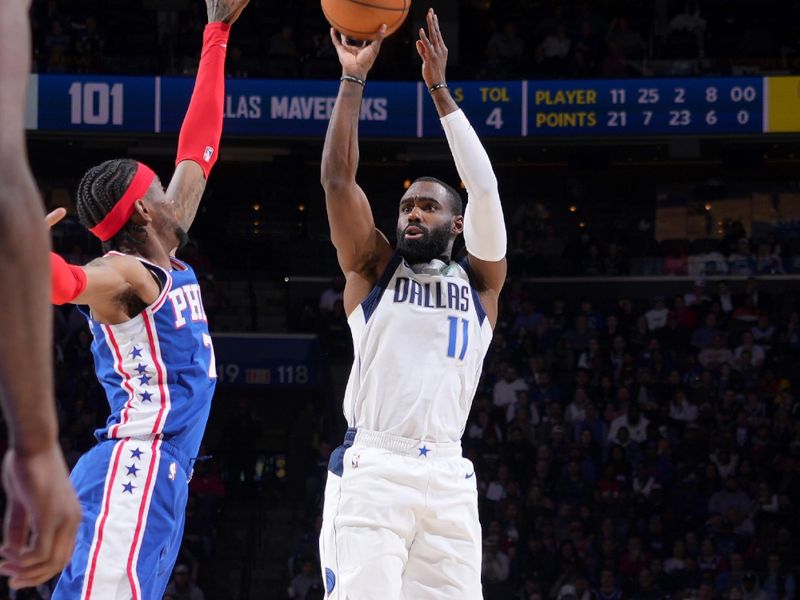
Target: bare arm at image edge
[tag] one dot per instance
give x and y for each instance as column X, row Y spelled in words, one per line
column 40, row 498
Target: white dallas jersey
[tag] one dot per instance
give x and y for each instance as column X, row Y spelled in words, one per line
column 420, row 338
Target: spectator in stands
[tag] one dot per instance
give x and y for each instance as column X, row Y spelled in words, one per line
column 647, row 588
column 741, row 261
column 731, row 497
column 757, row 354
column 751, row 589
column 304, row 581
column 676, row 262
column 181, row 587
column 331, row 295
column 763, row 332
column 528, row 319
column 89, row 47
column 58, row 46
column 550, row 245
column 555, row 49
column 633, row 422
column 698, row 295
column 757, row 298
column 483, row 427
column 708, row 262
column 505, row 390
column 578, row 337
column 629, row 41
column 692, row 25
column 657, row 316
column 282, row 54
column 767, row 262
column 725, row 298
column 681, row 409
column 607, row 590
column 703, row 337
column 506, row 45
column 495, row 568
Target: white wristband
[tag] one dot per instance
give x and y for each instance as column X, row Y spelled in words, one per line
column 484, row 227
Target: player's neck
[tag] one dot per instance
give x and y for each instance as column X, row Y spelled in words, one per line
column 156, row 252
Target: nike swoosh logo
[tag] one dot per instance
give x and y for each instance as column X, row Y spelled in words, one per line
column 468, row 476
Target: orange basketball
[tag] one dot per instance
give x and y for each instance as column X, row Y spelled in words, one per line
column 361, row 19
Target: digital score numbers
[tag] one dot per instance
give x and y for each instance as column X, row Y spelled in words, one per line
column 646, row 107
column 494, row 108
column 504, row 109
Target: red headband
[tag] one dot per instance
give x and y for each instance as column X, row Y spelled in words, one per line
column 123, row 209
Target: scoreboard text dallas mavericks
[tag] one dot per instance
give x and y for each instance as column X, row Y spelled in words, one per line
column 508, row 109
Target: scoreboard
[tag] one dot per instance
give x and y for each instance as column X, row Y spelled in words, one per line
column 647, row 106
column 509, row 109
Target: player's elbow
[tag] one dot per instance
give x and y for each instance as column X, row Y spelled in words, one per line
column 338, row 171
column 334, row 183
column 487, row 187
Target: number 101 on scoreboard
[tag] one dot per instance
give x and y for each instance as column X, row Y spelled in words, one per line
column 95, row 103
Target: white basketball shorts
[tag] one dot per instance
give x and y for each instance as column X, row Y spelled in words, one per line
column 400, row 521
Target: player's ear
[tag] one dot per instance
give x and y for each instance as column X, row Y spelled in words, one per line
column 458, row 225
column 141, row 216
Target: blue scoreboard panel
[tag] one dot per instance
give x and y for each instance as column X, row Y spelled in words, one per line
column 507, row 109
column 646, row 106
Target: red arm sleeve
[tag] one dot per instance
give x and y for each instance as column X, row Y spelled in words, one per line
column 202, row 126
column 68, row 281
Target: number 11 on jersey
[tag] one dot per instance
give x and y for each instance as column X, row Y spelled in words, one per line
column 451, row 346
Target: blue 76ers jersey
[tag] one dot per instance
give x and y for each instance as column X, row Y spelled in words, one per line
column 158, row 369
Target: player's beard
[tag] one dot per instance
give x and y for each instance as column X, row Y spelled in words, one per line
column 432, row 244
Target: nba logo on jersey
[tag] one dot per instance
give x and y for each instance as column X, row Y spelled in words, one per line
column 209, row 152
column 173, row 470
column 354, row 460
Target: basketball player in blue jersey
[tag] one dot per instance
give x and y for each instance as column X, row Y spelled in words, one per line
column 42, row 513
column 401, row 515
column 152, row 350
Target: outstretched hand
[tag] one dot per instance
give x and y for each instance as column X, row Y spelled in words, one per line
column 225, row 11
column 431, row 48
column 357, row 60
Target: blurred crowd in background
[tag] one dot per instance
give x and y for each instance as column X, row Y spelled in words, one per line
column 492, row 39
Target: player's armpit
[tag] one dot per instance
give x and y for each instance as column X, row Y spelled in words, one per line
column 111, row 277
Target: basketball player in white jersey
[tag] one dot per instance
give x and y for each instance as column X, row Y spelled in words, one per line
column 401, row 514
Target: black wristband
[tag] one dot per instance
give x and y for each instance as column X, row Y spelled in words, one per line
column 438, row 86
column 354, row 79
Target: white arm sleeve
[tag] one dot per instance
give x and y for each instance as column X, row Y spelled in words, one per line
column 484, row 226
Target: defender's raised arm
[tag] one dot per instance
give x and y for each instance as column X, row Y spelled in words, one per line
column 198, row 144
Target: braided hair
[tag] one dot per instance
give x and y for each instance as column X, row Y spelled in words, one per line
column 100, row 189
